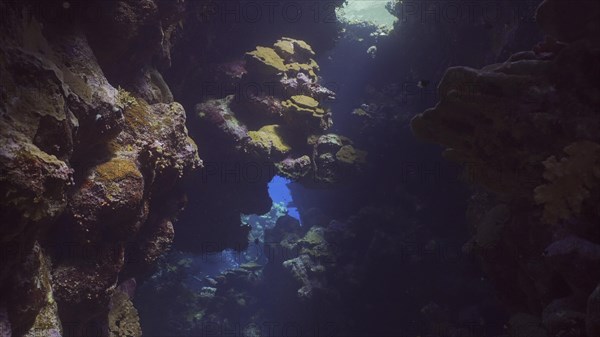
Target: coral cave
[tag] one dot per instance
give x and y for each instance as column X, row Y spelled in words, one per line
column 411, row 168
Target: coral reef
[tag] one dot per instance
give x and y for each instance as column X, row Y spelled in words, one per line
column 91, row 172
column 263, row 127
column 523, row 131
column 269, row 141
column 96, row 162
column 290, row 114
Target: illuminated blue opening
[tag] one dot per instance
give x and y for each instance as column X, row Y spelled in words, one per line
column 280, row 192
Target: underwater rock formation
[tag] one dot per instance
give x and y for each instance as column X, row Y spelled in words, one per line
column 570, row 181
column 525, row 131
column 34, row 297
column 191, row 297
column 308, row 253
column 277, row 122
column 334, row 158
column 90, row 172
column 143, row 32
column 215, row 34
column 123, row 318
column 317, row 268
column 268, row 125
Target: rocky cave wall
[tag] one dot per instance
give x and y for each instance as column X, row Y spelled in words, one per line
column 526, row 132
column 90, row 172
column 96, row 157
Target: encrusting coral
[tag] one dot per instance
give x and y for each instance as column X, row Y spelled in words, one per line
column 273, row 124
column 269, row 140
column 271, row 62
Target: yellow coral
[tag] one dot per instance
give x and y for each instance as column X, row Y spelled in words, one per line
column 269, row 57
column 117, row 169
column 289, row 46
column 302, row 45
column 570, row 181
column 305, row 101
column 137, row 117
column 311, row 68
column 286, row 56
column 270, row 138
column 285, row 47
column 304, row 104
column 111, row 175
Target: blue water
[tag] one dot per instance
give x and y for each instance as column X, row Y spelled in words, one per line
column 213, row 264
column 280, row 192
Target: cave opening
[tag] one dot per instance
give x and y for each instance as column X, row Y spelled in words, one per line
column 280, row 193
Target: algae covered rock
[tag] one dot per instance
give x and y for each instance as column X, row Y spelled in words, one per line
column 294, row 169
column 347, row 154
column 269, row 140
column 304, row 102
column 34, row 311
column 217, row 114
column 294, row 49
column 83, row 163
column 305, row 110
column 29, row 174
column 272, row 124
column 286, row 57
column 335, row 158
column 123, row 318
column 108, row 199
column 266, row 60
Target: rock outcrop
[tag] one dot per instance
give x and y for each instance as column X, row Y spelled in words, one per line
column 279, row 109
column 274, row 122
column 90, row 172
column 526, row 131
